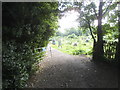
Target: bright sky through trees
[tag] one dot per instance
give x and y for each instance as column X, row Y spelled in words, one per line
column 69, row 20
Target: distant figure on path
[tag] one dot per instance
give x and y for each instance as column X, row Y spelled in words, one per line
column 59, row 43
column 49, row 47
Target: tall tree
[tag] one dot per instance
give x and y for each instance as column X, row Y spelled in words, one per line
column 98, row 52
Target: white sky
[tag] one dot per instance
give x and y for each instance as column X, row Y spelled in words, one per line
column 68, row 21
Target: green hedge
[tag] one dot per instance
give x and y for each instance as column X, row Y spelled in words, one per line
column 26, row 26
column 19, row 62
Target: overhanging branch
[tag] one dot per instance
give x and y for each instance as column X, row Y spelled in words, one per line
column 107, row 9
column 91, row 33
column 94, row 11
column 88, row 22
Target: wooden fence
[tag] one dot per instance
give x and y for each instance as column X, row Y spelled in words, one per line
column 110, row 50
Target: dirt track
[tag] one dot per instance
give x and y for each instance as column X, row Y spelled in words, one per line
column 61, row 70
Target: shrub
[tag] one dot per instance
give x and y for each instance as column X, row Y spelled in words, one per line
column 26, row 26
column 72, row 36
column 78, row 52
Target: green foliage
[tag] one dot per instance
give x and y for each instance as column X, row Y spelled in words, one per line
column 76, row 31
column 103, row 32
column 78, row 52
column 19, row 61
column 110, row 32
column 82, row 47
column 72, row 36
column 26, row 27
column 85, row 52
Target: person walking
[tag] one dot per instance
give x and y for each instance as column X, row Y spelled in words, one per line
column 59, row 43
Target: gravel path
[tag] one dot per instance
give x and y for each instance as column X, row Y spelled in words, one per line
column 60, row 70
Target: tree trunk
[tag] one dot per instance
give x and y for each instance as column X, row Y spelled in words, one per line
column 98, row 52
column 117, row 56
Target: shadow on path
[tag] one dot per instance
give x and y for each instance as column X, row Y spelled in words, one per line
column 60, row 70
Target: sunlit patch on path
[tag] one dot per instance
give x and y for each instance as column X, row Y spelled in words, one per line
column 68, row 71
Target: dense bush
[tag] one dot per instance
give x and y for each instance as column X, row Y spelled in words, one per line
column 78, row 52
column 26, row 26
column 72, row 36
column 18, row 64
column 85, row 52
